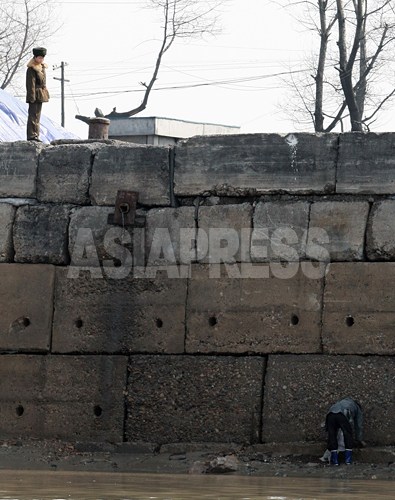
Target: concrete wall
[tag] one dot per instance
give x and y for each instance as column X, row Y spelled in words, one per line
column 256, row 290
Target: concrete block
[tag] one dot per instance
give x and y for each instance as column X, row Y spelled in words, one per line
column 26, row 302
column 337, row 230
column 366, row 163
column 359, row 308
column 300, row 389
column 7, row 213
column 250, row 164
column 40, row 234
column 77, row 398
column 194, row 399
column 280, row 231
column 131, row 167
column 88, row 228
column 108, row 315
column 64, row 174
column 94, row 242
column 380, row 237
column 253, row 315
column 170, row 236
column 18, row 168
column 224, row 233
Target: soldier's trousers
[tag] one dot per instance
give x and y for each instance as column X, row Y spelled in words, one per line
column 33, row 120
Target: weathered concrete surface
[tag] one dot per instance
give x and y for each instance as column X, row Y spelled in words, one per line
column 40, row 234
column 18, row 168
column 26, row 304
column 366, row 163
column 93, row 241
column 7, row 213
column 255, row 163
column 170, row 236
column 131, row 167
column 64, row 173
column 253, row 315
column 380, row 237
column 224, row 233
column 300, row 389
column 204, row 399
column 118, row 315
column 359, row 308
column 36, row 401
column 87, row 230
column 280, row 231
column 337, row 228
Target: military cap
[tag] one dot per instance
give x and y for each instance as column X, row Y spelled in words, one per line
column 39, row 51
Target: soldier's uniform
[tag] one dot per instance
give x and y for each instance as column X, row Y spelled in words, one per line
column 36, row 92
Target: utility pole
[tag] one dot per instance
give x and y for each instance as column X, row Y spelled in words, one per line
column 62, row 80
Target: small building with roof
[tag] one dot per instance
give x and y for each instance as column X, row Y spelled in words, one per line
column 160, row 131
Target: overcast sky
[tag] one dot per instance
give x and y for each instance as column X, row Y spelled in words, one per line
column 111, row 46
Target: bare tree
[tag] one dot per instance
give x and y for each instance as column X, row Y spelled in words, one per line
column 22, row 26
column 181, row 19
column 347, row 75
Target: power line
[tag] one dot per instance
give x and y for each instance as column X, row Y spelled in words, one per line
column 187, row 86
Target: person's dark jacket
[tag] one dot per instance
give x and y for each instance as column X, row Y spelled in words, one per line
column 36, row 90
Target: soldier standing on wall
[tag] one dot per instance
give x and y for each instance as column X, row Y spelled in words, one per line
column 346, row 415
column 36, row 92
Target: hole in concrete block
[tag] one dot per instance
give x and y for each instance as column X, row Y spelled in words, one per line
column 159, row 322
column 212, row 321
column 79, row 323
column 117, row 263
column 20, row 410
column 294, row 319
column 25, row 322
column 350, row 321
column 19, row 325
column 98, row 410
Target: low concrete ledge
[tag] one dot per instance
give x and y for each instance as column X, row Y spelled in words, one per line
column 144, row 169
column 366, row 163
column 252, row 164
column 18, row 168
column 64, row 173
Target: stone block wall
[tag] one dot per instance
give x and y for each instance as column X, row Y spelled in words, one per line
column 254, row 291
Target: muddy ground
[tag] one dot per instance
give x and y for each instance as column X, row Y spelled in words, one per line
column 259, row 460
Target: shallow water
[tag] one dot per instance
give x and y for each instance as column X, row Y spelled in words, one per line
column 39, row 485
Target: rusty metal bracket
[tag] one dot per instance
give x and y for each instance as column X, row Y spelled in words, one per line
column 125, row 210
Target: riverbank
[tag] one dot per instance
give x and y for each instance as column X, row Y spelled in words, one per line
column 298, row 460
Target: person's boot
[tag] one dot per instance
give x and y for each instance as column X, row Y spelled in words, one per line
column 348, row 457
column 334, row 457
